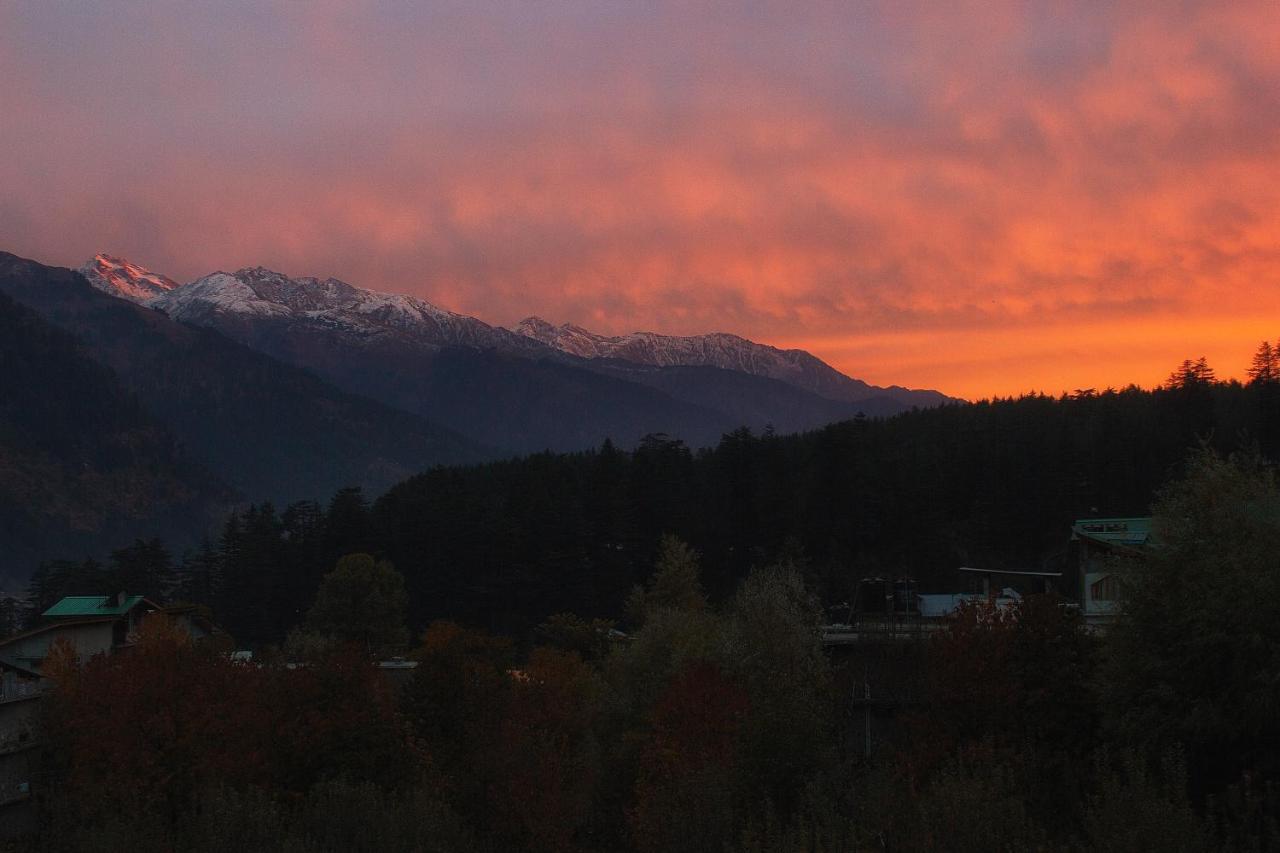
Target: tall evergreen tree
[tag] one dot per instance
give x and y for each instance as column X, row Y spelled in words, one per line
column 200, row 575
column 1192, row 373
column 349, row 525
column 143, row 568
column 305, row 554
column 676, row 583
column 251, row 555
column 1265, row 367
column 55, row 579
column 10, row 616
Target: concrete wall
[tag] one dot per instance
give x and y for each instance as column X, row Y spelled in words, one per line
column 1095, row 566
column 89, row 640
column 19, row 757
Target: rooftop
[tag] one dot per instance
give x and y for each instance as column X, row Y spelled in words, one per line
column 1118, row 531
column 1015, row 572
column 93, row 605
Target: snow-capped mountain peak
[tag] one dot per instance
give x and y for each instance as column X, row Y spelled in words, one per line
column 306, row 320
column 125, row 279
column 717, row 349
column 331, row 305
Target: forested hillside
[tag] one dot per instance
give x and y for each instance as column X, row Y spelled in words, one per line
column 711, row 726
column 993, row 484
column 81, row 461
column 268, row 429
column 504, row 545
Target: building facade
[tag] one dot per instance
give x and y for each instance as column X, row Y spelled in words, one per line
column 1101, row 546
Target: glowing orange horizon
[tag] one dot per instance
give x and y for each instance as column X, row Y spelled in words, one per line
column 986, row 200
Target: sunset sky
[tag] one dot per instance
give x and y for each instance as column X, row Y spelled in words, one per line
column 983, row 198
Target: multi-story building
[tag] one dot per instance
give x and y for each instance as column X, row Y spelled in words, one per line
column 1101, row 545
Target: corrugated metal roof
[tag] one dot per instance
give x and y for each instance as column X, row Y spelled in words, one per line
column 93, row 605
column 1121, row 531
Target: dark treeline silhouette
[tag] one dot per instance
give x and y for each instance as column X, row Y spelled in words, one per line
column 711, row 726
column 504, row 545
column 994, row 484
column 718, row 721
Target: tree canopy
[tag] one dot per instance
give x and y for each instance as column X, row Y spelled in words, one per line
column 362, row 602
column 1192, row 664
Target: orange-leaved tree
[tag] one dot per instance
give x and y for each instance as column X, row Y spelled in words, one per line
column 685, row 793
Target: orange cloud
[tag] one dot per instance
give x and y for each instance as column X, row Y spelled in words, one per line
column 984, row 198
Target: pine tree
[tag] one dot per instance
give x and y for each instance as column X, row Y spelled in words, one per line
column 10, row 616
column 1192, row 374
column 200, row 577
column 304, row 559
column 54, row 579
column 349, row 525
column 250, row 581
column 1265, row 368
column 41, row 591
column 675, row 585
column 230, row 551
column 143, row 568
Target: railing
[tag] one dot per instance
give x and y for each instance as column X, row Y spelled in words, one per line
column 880, row 627
column 19, row 740
column 20, row 690
column 14, row 792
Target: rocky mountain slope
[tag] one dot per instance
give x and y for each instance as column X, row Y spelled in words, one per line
column 726, row 351
column 121, row 278
column 533, row 388
column 502, row 389
column 270, row 430
column 332, row 304
column 83, row 465
column 262, row 292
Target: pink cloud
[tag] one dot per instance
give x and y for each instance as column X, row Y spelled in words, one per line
column 1064, row 196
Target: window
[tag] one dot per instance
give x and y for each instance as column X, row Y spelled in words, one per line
column 1103, row 589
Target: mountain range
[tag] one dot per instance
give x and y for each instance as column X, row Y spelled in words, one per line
column 534, row 387
column 730, row 352
column 155, row 427
column 135, row 406
column 81, row 460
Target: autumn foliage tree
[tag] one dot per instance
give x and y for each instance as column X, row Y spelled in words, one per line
column 1011, row 698
column 544, row 759
column 139, row 739
column 514, row 743
column 454, row 699
column 144, row 732
column 1018, row 673
column 686, row 791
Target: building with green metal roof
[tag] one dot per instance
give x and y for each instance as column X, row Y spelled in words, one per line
column 80, row 606
column 1099, row 542
column 93, row 624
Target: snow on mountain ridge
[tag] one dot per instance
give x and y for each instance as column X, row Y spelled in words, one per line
column 333, row 307
column 722, row 350
column 329, row 303
column 217, row 291
column 717, row 349
column 119, row 277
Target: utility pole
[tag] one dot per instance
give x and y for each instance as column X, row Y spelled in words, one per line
column 866, row 707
